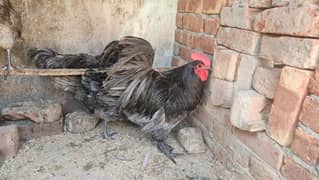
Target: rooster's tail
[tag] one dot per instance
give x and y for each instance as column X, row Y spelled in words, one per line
column 49, row 59
column 134, row 58
column 41, row 57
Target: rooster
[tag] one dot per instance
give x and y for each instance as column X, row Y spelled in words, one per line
column 10, row 29
column 132, row 90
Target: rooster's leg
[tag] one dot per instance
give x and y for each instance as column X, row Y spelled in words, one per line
column 167, row 150
column 9, row 66
column 107, row 134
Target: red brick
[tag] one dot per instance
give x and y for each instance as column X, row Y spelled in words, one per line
column 290, row 93
column 219, row 132
column 230, row 3
column 189, row 39
column 211, row 25
column 184, row 38
column 260, row 3
column 296, row 52
column 260, row 170
column 263, row 146
column 9, row 141
column 246, row 111
column 314, row 86
column 238, row 39
column 225, row 64
column 205, row 43
column 314, row 83
column 236, row 151
column 310, row 113
column 179, row 20
column 295, row 21
column 245, row 71
column 278, row 3
column 239, row 17
column 293, row 171
column 196, row 6
column 213, row 6
column 183, row 5
column 221, row 155
column 216, row 120
column 239, row 152
column 208, row 118
column 179, row 36
column 306, row 147
column 185, row 53
column 283, row 116
column 194, row 23
column 265, row 81
column 210, row 114
column 221, row 93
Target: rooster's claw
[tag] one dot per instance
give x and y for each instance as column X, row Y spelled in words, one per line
column 109, row 136
column 167, row 150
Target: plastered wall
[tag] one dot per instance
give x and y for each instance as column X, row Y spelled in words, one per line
column 74, row 26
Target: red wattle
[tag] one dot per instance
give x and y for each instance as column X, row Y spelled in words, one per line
column 202, row 74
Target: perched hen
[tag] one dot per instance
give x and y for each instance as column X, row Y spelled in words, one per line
column 156, row 101
column 10, row 29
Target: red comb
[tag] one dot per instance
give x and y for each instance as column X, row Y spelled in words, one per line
column 201, row 57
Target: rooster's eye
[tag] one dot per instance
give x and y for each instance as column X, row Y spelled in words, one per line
column 199, row 66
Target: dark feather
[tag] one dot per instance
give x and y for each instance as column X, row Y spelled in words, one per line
column 49, row 59
column 162, row 99
column 9, row 17
column 156, row 101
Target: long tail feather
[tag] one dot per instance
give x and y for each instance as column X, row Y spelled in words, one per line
column 128, row 59
column 49, row 59
column 134, row 58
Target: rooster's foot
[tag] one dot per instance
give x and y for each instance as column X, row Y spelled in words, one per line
column 6, row 70
column 9, row 67
column 107, row 134
column 167, row 150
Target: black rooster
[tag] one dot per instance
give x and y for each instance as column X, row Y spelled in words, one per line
column 155, row 101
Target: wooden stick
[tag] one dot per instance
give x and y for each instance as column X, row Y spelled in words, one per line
column 46, row 72
column 53, row 72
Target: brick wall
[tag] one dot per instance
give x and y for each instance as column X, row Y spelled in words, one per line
column 197, row 23
column 262, row 119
